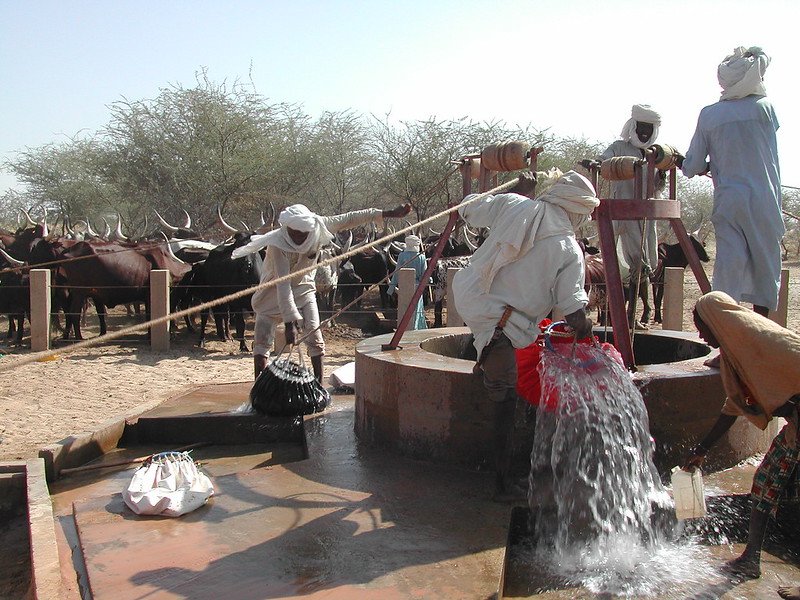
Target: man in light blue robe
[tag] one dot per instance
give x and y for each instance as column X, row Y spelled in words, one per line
column 737, row 137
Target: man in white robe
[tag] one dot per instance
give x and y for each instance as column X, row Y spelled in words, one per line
column 638, row 240
column 291, row 248
column 532, row 263
column 737, row 136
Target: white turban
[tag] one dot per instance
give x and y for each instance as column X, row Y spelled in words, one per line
column 641, row 113
column 742, row 73
column 575, row 194
column 412, row 243
column 298, row 217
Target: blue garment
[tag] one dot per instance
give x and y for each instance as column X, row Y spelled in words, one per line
column 738, row 137
column 416, row 261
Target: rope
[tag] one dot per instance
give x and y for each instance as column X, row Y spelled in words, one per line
column 241, row 293
column 354, row 301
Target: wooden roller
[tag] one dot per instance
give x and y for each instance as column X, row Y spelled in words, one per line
column 619, row 168
column 506, row 156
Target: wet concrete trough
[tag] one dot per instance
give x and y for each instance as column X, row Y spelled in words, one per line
column 339, row 520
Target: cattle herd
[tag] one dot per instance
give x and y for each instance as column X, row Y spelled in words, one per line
column 112, row 270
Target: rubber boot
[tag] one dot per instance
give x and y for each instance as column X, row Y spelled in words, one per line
column 504, row 450
column 259, row 364
column 316, row 365
column 761, row 310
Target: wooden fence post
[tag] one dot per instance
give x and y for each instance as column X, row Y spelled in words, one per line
column 405, row 290
column 781, row 314
column 40, row 309
column 672, row 302
column 159, row 307
column 453, row 318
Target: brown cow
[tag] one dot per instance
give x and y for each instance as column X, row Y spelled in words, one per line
column 112, row 273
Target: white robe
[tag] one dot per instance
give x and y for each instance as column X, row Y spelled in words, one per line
column 738, row 137
column 550, row 274
column 284, row 299
column 630, row 232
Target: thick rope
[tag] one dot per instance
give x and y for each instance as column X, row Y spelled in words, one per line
column 38, row 356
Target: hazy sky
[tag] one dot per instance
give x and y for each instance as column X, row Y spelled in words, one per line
column 573, row 66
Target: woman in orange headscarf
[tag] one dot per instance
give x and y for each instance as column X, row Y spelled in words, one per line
column 760, row 371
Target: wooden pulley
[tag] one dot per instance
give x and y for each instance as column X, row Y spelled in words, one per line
column 506, row 156
column 666, row 156
column 619, row 168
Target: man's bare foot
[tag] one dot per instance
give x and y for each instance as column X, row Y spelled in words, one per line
column 743, row 567
column 789, row 592
column 713, row 362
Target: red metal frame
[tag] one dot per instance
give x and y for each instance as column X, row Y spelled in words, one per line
column 629, row 210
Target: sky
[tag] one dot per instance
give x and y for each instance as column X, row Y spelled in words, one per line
column 573, row 67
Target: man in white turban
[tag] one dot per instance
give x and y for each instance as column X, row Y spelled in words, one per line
column 638, row 240
column 529, row 265
column 293, row 247
column 736, row 142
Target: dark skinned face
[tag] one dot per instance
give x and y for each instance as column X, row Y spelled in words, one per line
column 644, row 131
column 705, row 331
column 297, row 236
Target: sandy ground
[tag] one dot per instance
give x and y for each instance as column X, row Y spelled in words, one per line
column 44, row 402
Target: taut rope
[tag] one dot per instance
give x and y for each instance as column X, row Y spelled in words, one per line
column 241, row 293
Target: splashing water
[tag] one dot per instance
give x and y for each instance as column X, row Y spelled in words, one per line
column 601, row 517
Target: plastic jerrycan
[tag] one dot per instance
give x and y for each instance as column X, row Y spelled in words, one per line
column 688, row 494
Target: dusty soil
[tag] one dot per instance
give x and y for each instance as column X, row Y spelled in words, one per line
column 44, row 402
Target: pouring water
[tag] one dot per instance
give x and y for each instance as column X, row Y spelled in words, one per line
column 601, row 517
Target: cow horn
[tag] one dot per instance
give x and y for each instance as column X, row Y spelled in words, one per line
column 245, row 225
column 188, row 224
column 107, row 232
column 223, row 225
column 470, row 244
column 164, row 224
column 28, row 220
column 91, row 231
column 392, row 260
column 168, row 249
column 11, row 260
column 118, row 231
column 263, row 222
column 349, row 242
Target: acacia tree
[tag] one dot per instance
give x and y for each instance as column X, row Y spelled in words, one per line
column 202, row 148
column 339, row 159
column 413, row 160
column 63, row 178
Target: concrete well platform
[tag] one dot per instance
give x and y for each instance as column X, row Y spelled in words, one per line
column 423, row 400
